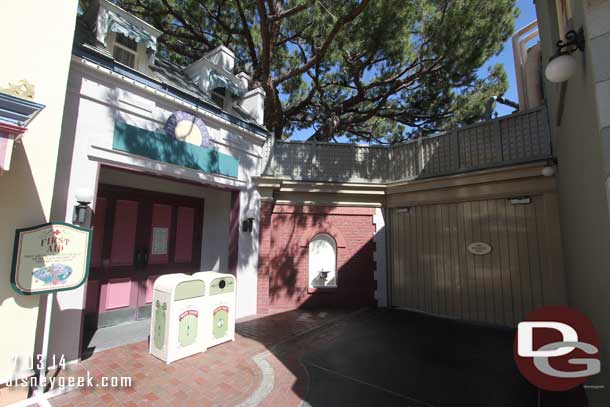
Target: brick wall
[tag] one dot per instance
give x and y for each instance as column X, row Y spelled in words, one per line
column 264, row 251
column 284, row 256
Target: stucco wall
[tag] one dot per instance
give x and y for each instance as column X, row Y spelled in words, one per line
column 38, row 52
column 583, row 152
column 96, row 99
column 284, row 255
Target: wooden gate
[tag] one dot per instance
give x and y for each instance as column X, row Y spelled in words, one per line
column 441, row 260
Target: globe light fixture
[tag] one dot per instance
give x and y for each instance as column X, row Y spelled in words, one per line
column 84, row 197
column 562, row 65
column 548, row 171
column 560, row 68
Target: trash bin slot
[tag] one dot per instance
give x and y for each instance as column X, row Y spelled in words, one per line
column 222, row 286
column 189, row 289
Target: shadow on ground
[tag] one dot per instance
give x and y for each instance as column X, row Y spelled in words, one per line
column 389, row 357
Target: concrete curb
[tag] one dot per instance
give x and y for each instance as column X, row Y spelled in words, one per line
column 267, row 382
column 268, row 375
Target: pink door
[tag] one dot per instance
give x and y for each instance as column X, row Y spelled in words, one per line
column 138, row 236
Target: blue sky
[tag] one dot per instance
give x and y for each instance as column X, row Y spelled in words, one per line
column 505, row 57
column 528, row 14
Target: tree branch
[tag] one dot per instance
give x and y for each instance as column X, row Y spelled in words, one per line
column 289, row 12
column 339, row 24
column 247, row 34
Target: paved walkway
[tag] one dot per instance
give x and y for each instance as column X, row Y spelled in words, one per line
column 328, row 358
column 245, row 372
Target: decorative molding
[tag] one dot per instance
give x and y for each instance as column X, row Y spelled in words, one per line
column 494, row 181
column 112, row 18
column 11, row 129
column 21, row 89
column 17, row 112
column 324, row 228
column 168, row 94
column 128, row 161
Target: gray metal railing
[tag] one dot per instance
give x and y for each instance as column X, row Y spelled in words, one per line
column 518, row 138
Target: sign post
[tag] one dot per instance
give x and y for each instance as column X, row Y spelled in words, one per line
column 45, row 346
column 49, row 258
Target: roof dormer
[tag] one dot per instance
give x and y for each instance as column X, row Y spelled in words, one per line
column 213, row 73
column 131, row 41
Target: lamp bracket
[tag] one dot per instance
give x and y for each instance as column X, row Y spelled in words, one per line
column 575, row 39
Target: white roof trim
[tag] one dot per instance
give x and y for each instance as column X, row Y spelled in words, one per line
column 134, row 162
column 162, row 95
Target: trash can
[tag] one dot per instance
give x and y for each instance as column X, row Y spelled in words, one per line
column 178, row 317
column 220, row 306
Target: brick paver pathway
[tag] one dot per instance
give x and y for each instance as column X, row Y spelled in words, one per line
column 261, row 367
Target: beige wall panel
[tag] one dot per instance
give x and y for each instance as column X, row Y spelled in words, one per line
column 36, row 41
column 491, row 190
column 433, row 271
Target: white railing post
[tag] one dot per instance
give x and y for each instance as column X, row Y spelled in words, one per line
column 420, row 156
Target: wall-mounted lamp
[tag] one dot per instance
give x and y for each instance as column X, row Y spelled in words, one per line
column 84, row 197
column 550, row 168
column 548, row 171
column 246, row 224
column 562, row 65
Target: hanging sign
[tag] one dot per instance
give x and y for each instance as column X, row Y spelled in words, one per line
column 50, row 257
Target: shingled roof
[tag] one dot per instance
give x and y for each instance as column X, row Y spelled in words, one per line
column 169, row 75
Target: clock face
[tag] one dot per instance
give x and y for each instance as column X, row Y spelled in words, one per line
column 187, row 128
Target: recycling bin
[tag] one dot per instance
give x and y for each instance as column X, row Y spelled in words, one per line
column 220, row 306
column 178, row 317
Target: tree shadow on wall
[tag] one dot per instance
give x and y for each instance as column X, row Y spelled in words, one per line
column 289, row 265
column 386, row 357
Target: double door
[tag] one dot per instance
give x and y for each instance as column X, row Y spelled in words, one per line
column 138, row 236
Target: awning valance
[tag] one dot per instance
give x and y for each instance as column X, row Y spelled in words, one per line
column 16, row 111
column 109, row 21
column 218, row 80
column 15, row 114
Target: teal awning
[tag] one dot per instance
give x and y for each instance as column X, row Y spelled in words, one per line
column 218, row 80
column 161, row 147
column 108, row 21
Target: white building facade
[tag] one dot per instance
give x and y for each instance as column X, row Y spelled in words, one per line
column 167, row 155
column 28, row 158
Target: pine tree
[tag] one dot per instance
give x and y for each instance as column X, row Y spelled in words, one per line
column 374, row 70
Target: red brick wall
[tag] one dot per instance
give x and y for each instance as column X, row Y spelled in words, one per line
column 284, row 256
column 264, row 251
